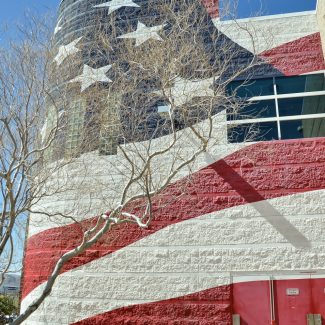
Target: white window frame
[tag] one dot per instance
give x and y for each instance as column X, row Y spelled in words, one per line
column 277, row 118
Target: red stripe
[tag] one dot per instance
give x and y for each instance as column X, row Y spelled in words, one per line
column 251, row 300
column 258, row 172
column 208, row 307
column 297, row 57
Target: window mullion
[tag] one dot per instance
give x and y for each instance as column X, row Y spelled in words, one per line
column 277, row 108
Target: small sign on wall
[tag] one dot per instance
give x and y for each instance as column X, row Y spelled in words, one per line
column 292, row 291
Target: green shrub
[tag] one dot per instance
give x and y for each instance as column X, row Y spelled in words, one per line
column 7, row 305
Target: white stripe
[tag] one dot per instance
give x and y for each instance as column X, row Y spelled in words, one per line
column 194, row 255
column 259, row 35
column 94, row 183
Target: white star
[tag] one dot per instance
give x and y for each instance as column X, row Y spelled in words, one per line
column 66, row 50
column 183, row 90
column 58, row 27
column 117, row 4
column 90, row 76
column 143, row 33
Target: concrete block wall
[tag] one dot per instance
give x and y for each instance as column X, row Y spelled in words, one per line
column 257, row 211
column 249, row 214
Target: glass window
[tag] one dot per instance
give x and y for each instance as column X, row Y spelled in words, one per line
column 290, row 106
column 301, row 105
column 315, row 82
column 259, row 87
column 299, row 84
column 253, row 132
column 313, row 105
column 291, row 129
column 261, row 109
column 307, row 128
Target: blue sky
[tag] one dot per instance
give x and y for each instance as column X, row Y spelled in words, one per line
column 13, row 10
column 271, row 7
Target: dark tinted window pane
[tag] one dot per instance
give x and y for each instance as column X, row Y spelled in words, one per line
column 302, row 105
column 313, row 105
column 303, row 128
column 252, row 132
column 298, row 84
column 290, row 106
column 291, row 129
column 314, row 127
column 263, row 108
column 259, row 87
column 315, row 82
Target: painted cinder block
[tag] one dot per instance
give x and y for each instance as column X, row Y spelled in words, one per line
column 248, row 210
column 192, row 253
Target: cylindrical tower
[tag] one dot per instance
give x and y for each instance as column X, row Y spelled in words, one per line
column 95, row 39
column 89, row 37
column 83, row 68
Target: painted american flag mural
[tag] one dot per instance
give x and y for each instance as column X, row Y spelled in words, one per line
column 252, row 215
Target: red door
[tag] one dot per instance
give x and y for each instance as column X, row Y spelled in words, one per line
column 318, row 297
column 251, row 300
column 292, row 300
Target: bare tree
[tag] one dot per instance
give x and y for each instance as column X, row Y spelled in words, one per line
column 25, row 134
column 156, row 97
